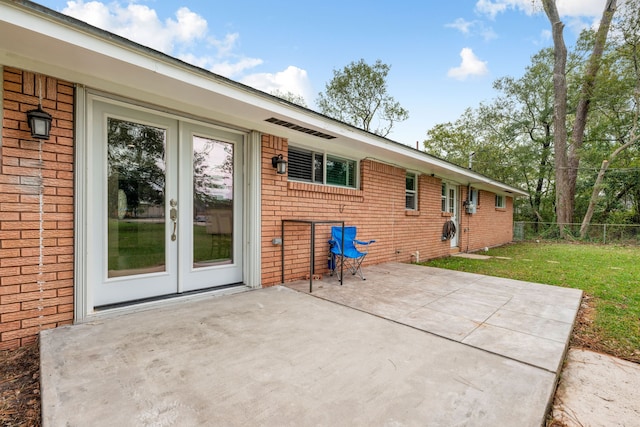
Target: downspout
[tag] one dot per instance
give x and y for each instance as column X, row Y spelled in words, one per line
column 469, row 214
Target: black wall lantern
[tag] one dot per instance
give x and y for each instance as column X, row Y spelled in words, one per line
column 279, row 164
column 39, row 123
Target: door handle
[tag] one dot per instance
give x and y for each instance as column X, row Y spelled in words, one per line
column 173, row 215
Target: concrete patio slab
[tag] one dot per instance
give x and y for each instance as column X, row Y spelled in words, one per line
column 529, row 322
column 280, row 357
column 543, row 353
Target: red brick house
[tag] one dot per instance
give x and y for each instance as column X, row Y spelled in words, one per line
column 158, row 179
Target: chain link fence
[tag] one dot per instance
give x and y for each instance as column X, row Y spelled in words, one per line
column 621, row 234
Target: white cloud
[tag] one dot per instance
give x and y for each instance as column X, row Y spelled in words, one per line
column 488, row 34
column 472, row 28
column 293, row 79
column 226, row 45
column 177, row 36
column 186, row 36
column 223, row 67
column 470, row 66
column 566, row 8
column 586, row 8
column 234, row 69
column 189, row 26
column 493, row 7
column 461, row 25
column 140, row 23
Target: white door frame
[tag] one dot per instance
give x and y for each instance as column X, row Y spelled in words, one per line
column 84, row 308
column 453, row 208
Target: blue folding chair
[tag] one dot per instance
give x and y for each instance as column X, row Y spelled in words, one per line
column 349, row 255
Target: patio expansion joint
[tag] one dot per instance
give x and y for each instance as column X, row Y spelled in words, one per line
column 524, row 333
column 538, row 316
column 435, row 334
column 487, row 318
column 440, row 297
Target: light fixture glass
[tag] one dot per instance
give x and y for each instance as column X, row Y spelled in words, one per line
column 279, row 164
column 39, row 123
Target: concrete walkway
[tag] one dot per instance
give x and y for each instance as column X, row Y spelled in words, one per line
column 280, row 357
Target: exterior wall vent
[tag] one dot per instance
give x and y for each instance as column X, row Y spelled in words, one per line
column 299, row 128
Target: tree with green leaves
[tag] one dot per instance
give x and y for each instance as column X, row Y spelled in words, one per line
column 515, row 136
column 511, row 136
column 357, row 95
column 135, row 165
column 619, row 87
column 567, row 157
column 294, row 98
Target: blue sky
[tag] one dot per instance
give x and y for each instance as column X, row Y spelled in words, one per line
column 444, row 56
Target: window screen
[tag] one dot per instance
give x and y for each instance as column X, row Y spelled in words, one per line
column 300, row 164
column 306, row 165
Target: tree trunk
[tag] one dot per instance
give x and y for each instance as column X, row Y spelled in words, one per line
column 584, row 102
column 597, row 187
column 563, row 204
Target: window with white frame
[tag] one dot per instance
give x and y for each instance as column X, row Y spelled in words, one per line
column 321, row 168
column 500, row 201
column 411, row 202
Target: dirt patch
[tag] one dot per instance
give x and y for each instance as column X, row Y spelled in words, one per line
column 597, row 390
column 20, row 386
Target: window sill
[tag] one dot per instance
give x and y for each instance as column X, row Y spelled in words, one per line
column 501, row 209
column 411, row 213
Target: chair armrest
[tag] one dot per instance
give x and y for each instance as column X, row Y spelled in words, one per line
column 361, row 242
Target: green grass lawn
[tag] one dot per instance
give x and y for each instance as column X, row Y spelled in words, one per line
column 609, row 276
column 139, row 245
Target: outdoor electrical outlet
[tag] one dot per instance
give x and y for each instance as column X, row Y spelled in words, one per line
column 277, row 241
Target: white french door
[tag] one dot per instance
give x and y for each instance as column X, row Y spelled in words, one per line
column 211, row 212
column 453, row 210
column 450, row 205
column 164, row 204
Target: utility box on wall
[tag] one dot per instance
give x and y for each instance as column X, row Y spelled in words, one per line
column 470, row 208
column 472, row 202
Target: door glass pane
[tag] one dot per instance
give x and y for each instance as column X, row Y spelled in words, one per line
column 452, row 200
column 212, row 202
column 135, row 200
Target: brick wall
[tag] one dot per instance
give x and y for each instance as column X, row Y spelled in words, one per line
column 377, row 209
column 36, row 210
column 489, row 226
column 37, row 200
